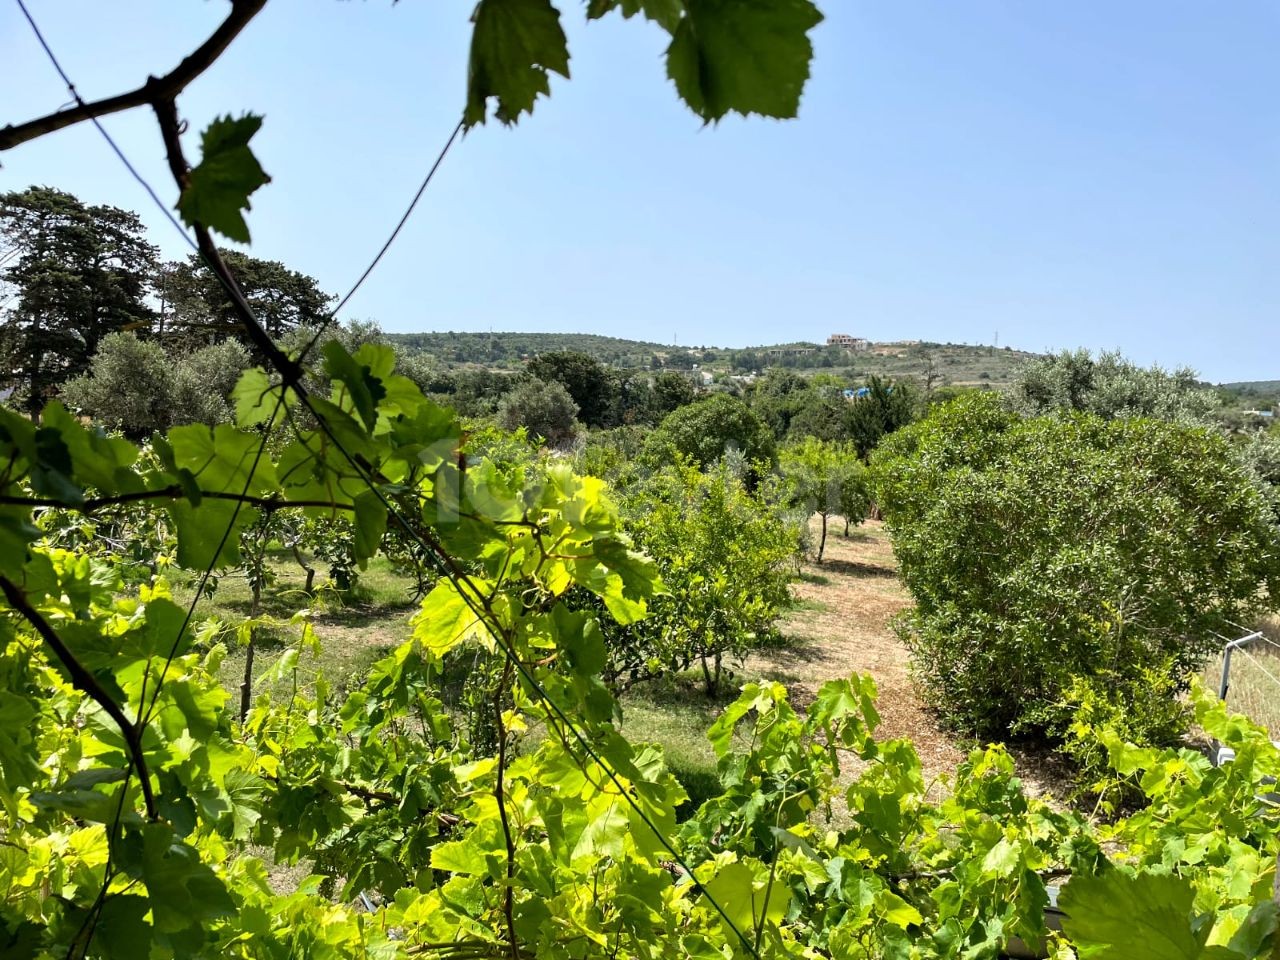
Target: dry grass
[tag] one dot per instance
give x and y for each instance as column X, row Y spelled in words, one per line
column 1255, row 677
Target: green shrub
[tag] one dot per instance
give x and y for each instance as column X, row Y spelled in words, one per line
column 727, row 558
column 1041, row 551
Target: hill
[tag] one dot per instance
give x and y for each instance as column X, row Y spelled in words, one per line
column 946, row 363
column 506, row 349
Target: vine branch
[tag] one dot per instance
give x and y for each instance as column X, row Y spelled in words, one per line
column 154, row 90
column 166, row 111
column 173, row 492
column 87, row 684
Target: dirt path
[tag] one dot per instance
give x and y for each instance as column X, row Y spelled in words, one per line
column 843, row 626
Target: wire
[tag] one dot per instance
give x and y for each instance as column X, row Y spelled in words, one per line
column 303, row 396
column 1258, row 663
column 100, row 128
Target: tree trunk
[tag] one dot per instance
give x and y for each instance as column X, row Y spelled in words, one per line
column 708, row 679
column 846, row 526
column 311, row 571
column 246, row 684
column 822, row 544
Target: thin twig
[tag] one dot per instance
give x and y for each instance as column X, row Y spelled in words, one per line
column 155, row 89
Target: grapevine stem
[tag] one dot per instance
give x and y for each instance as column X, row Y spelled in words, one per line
column 86, row 683
column 499, row 793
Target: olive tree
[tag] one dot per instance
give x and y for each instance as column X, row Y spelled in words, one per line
column 1041, row 551
column 543, row 408
column 824, row 478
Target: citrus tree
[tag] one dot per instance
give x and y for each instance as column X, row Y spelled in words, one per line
column 825, row 478
column 731, row 555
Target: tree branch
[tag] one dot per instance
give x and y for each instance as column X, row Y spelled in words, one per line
column 87, row 684
column 156, row 88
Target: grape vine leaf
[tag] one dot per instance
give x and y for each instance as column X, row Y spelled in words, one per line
column 514, row 44
column 1116, row 916
column 665, row 13
column 363, row 386
column 746, row 56
column 218, row 189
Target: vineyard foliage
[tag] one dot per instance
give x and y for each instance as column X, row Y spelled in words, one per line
column 143, row 815
column 137, row 804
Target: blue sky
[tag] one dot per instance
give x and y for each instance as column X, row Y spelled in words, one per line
column 1083, row 174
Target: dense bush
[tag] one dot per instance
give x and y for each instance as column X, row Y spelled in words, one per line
column 544, row 409
column 1041, row 551
column 705, row 431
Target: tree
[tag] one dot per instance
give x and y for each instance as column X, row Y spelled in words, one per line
column 129, row 386
column 281, row 298
column 134, row 386
column 1111, row 387
column 671, row 391
column 878, row 410
column 544, row 409
column 821, row 478
column 203, row 380
column 1048, row 550
column 80, row 273
column 778, row 397
column 586, row 379
column 728, row 556
column 708, row 429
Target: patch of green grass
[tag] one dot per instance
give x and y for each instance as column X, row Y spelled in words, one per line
column 675, row 713
column 355, row 628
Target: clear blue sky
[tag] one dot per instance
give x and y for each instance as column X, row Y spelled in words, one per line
column 1068, row 174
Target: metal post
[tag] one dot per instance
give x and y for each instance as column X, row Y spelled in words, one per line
column 1226, row 661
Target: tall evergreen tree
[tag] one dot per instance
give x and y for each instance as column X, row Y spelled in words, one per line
column 196, row 304
column 77, row 273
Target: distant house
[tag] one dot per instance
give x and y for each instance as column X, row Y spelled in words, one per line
column 790, row 351
column 848, row 342
column 1259, row 413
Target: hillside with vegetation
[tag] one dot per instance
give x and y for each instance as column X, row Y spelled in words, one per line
column 940, row 364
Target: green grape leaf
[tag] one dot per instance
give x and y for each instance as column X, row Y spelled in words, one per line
column 51, row 473
column 370, row 525
column 362, row 385
column 742, row 896
column 221, row 458
column 746, row 56
column 200, row 530
column 255, row 397
column 445, row 620
column 665, row 13
column 1262, row 922
column 1116, row 916
column 514, row 44
column 16, row 531
column 218, row 189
